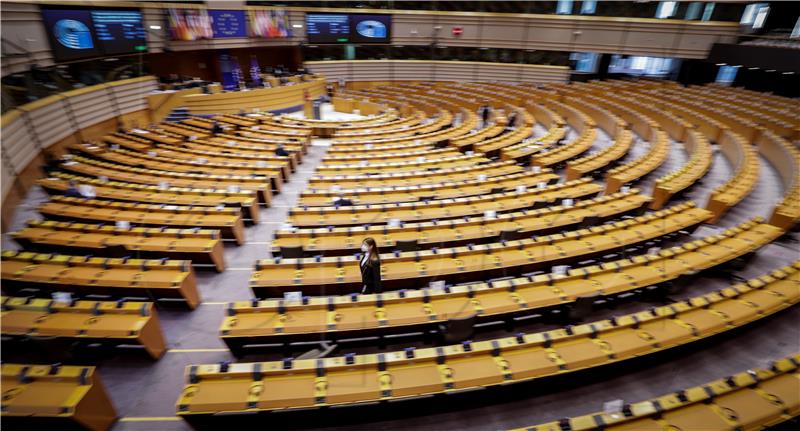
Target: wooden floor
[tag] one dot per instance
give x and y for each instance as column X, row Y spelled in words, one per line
column 144, row 392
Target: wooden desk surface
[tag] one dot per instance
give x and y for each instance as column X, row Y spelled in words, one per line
column 415, row 372
column 348, row 240
column 440, row 209
column 324, row 273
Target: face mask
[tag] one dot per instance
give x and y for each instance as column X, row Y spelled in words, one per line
column 364, row 248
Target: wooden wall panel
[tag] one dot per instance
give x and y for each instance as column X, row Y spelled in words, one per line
column 422, row 70
column 49, row 124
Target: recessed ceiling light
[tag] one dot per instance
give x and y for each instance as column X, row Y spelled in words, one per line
column 722, row 64
column 155, row 27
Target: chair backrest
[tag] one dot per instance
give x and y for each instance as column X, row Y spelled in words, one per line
column 291, row 252
column 118, row 251
column 406, row 245
column 583, row 306
column 459, row 329
column 588, row 222
column 510, row 235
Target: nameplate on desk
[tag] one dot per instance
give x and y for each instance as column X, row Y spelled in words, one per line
column 293, row 296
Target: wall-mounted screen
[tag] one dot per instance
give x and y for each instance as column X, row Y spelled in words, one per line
column 77, row 33
column 190, row 24
column 348, row 28
column 119, row 31
column 228, row 23
column 271, row 24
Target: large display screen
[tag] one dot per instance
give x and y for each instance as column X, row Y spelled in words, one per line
column 228, row 23
column 348, row 28
column 77, row 33
column 189, row 24
column 271, row 24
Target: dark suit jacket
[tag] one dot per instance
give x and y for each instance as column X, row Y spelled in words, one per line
column 371, row 276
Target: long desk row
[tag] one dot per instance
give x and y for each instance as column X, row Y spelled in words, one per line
column 687, row 175
column 512, row 225
column 421, row 164
column 758, row 398
column 335, row 317
column 785, row 157
column 122, row 323
column 429, row 152
column 444, row 208
column 102, row 276
column 431, row 176
column 744, row 158
column 342, row 274
column 446, row 190
column 125, row 160
column 245, row 200
column 227, row 220
column 83, row 166
column 353, row 379
column 600, row 159
column 201, row 246
column 50, row 397
column 237, row 154
column 636, row 169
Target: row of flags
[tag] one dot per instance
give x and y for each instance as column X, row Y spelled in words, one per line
column 232, row 76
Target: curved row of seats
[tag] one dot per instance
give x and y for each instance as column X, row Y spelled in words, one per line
column 477, row 185
column 353, row 379
column 758, row 398
column 449, row 201
column 342, row 274
column 201, row 246
column 120, row 277
column 280, row 321
column 501, row 201
column 120, row 322
column 507, row 226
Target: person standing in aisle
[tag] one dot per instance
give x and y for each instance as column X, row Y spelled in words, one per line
column 370, row 267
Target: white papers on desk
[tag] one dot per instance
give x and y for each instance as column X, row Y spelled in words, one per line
column 87, row 191
column 62, row 297
column 437, row 285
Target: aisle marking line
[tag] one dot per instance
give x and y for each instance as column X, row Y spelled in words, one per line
column 150, row 419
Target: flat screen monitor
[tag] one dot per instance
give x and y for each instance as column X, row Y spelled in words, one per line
column 78, row 33
column 331, row 28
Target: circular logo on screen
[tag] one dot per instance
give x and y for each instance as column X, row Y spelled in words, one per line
column 73, row 34
column 371, row 28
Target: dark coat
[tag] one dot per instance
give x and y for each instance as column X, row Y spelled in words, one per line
column 371, row 276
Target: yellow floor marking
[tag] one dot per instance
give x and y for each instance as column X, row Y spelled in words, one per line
column 150, row 419
column 197, row 350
